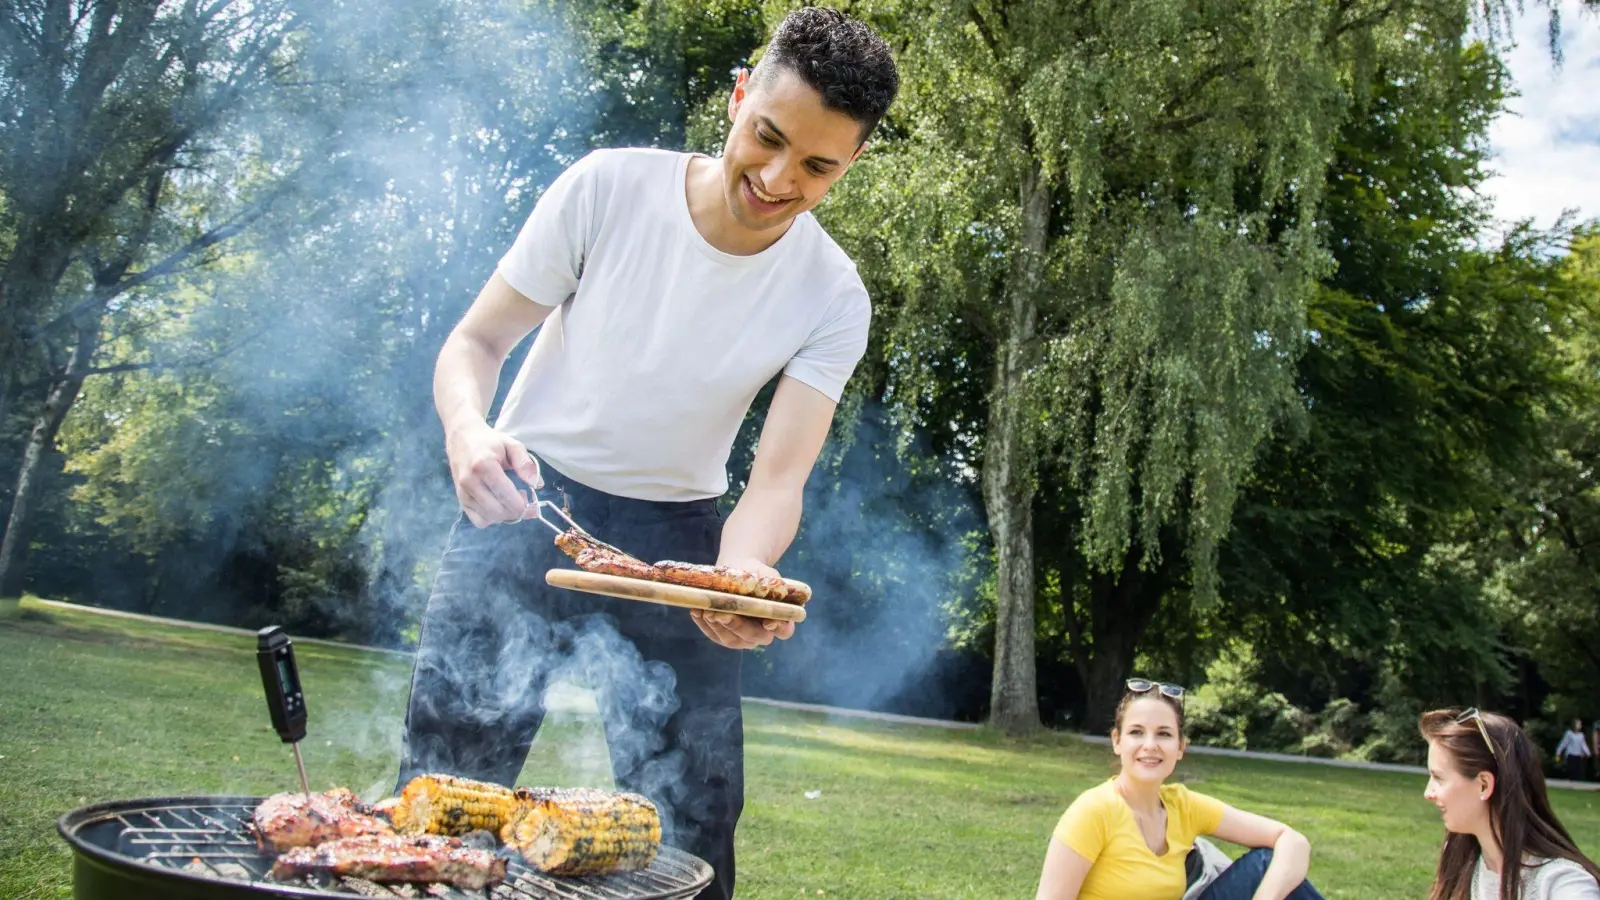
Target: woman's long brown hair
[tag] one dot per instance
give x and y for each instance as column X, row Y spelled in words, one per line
column 1519, row 808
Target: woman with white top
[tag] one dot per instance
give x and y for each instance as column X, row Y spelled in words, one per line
column 1503, row 842
column 1573, row 750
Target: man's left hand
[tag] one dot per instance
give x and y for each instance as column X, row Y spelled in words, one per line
column 738, row 632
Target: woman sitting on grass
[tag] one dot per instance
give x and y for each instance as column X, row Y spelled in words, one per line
column 1130, row 836
column 1484, row 775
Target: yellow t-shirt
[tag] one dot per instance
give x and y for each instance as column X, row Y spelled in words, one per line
column 1099, row 826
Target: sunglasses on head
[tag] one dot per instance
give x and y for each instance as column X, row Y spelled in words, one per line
column 1145, row 686
column 1477, row 719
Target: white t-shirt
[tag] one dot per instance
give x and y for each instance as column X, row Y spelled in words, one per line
column 637, row 384
column 1572, row 744
column 1558, row 879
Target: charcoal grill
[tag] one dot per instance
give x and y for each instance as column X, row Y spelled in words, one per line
column 198, row 848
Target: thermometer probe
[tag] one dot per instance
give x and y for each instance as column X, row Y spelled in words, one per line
column 285, row 701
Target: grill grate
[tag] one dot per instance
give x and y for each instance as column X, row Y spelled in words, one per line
column 212, row 841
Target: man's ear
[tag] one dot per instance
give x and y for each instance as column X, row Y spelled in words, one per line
column 741, row 86
column 857, row 154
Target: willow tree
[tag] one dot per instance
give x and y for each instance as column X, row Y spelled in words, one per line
column 1098, row 222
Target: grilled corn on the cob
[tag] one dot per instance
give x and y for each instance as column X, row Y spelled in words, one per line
column 584, row 831
column 445, row 804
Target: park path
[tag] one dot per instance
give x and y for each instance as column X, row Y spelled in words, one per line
column 578, row 700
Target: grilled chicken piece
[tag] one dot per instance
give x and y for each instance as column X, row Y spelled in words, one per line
column 445, row 804
column 594, row 555
column 603, row 563
column 798, row 592
column 416, row 858
column 288, row 820
column 573, row 542
column 584, row 831
column 723, row 578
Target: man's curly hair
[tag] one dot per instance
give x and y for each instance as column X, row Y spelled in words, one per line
column 840, row 58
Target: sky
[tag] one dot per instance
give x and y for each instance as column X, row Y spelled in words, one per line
column 1547, row 145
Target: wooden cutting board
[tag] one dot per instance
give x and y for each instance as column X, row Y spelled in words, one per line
column 672, row 594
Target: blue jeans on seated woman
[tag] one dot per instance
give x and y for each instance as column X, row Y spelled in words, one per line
column 1240, row 880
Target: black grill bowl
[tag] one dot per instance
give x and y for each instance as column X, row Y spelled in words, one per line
column 198, row 848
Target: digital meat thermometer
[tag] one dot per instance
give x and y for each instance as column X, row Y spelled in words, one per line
column 285, row 700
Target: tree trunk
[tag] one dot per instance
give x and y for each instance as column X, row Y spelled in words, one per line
column 1008, row 477
column 6, row 391
column 1121, row 607
column 14, row 544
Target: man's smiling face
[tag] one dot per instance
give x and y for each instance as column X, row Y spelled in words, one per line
column 785, row 149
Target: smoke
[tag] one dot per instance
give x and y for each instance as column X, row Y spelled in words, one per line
column 636, row 698
column 310, row 487
column 883, row 543
column 283, row 464
column 292, row 459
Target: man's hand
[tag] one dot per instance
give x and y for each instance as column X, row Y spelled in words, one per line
column 742, row 632
column 464, row 381
column 479, row 458
column 767, row 515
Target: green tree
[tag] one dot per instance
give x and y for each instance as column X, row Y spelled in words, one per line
column 1546, row 540
column 304, row 458
column 1120, row 204
column 656, row 64
column 107, row 106
column 1351, row 568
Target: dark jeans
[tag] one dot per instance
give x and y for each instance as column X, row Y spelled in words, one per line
column 495, row 635
column 1240, row 880
column 1575, row 767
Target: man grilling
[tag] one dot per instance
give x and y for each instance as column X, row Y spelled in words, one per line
column 671, row 287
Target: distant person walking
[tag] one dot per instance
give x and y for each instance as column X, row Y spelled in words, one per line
column 1574, row 750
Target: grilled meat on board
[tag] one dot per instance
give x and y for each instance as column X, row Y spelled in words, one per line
column 414, row 858
column 726, row 579
column 603, row 563
column 573, row 542
column 288, row 820
column 799, row 592
column 593, row 555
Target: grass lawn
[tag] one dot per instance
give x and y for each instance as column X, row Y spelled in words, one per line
column 97, row 708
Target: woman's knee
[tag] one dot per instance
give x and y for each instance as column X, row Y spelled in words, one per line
column 1257, row 859
column 1255, row 863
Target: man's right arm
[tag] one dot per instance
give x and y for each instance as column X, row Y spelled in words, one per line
column 464, row 381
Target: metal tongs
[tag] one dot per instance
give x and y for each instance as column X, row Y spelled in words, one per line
column 539, row 506
column 562, row 513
